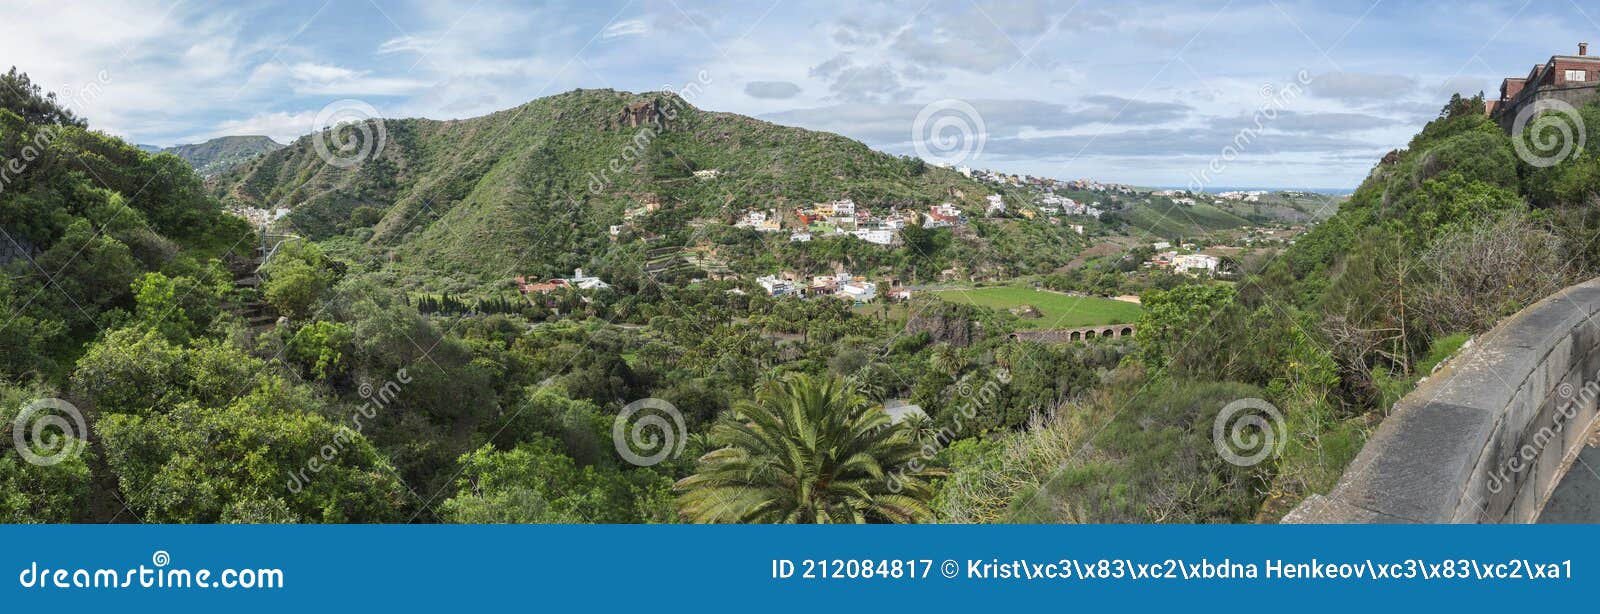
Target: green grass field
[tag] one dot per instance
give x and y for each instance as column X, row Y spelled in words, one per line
column 1060, row 310
column 1172, row 221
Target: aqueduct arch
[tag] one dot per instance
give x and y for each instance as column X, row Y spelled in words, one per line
column 1069, row 335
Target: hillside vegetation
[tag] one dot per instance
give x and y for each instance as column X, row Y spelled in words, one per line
column 533, row 190
column 221, row 153
column 1441, row 241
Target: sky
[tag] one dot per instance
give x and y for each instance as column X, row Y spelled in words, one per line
column 1159, row 93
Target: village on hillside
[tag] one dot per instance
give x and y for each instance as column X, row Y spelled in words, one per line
column 1018, row 198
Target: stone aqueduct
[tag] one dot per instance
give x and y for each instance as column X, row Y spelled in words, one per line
column 1069, row 335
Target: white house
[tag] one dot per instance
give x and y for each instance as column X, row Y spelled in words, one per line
column 877, row 236
column 839, row 208
column 751, row 219
column 584, row 282
column 860, row 291
column 1194, row 262
column 800, row 236
column 775, row 287
column 997, row 204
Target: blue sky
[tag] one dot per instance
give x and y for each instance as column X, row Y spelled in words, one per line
column 1148, row 94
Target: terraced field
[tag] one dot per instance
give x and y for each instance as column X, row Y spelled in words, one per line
column 1059, row 310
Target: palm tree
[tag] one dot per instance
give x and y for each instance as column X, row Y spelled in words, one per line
column 1006, row 353
column 922, row 429
column 945, row 359
column 808, row 450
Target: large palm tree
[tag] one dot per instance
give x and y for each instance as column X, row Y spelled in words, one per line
column 808, row 450
column 945, row 359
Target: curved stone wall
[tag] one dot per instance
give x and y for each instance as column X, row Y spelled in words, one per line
column 1488, row 436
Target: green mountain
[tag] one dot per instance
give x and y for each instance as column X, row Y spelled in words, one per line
column 535, row 189
column 222, row 153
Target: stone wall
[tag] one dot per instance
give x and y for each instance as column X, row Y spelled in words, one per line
column 1487, row 437
column 1575, row 95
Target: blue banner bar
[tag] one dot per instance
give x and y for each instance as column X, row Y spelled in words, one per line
column 696, row 568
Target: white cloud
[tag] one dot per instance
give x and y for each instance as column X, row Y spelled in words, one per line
column 631, row 27
column 281, row 126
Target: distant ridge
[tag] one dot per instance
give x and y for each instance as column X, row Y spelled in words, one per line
column 221, row 153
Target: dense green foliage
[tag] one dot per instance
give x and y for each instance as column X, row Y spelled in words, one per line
column 384, row 368
column 808, row 451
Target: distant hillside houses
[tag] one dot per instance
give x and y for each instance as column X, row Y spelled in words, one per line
column 760, row 221
column 843, row 218
column 1044, row 183
column 942, row 215
column 1251, row 196
column 841, row 285
column 260, row 217
column 1051, row 204
column 1090, row 185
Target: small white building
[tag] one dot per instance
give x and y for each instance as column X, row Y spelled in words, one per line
column 1194, row 263
column 585, row 282
column 876, row 236
column 996, row 206
column 751, row 218
column 775, row 287
column 859, row 291
column 800, row 237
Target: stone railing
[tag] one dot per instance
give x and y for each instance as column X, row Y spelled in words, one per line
column 1488, row 436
